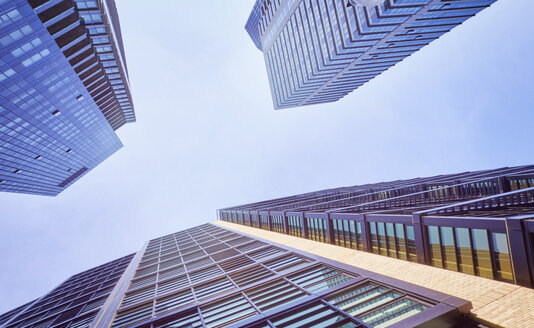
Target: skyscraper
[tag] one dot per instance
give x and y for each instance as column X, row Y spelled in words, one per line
column 457, row 225
column 319, row 51
column 209, row 276
column 63, row 91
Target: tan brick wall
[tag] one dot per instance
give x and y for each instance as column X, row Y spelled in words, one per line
column 493, row 301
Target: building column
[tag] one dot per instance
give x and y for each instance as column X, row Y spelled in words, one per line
column 518, row 252
column 419, row 235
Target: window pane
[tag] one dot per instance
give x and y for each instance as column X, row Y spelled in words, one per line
column 228, row 311
column 374, row 237
column 449, row 251
column 401, row 242
column 382, row 238
column 463, row 250
column 501, row 256
column 275, row 294
column 482, row 253
column 346, row 233
column 435, row 247
column 390, row 232
column 319, row 278
column 353, row 237
column 410, row 242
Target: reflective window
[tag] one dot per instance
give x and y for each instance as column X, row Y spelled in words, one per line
column 463, row 250
column 319, row 278
column 314, row 315
column 227, row 311
column 481, row 252
column 501, row 256
column 448, row 248
column 435, row 246
column 295, row 226
column 317, row 229
column 376, row 305
column 275, row 294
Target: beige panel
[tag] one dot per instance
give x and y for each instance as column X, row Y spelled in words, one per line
column 493, row 301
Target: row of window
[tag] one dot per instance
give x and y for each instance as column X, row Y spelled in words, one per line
column 473, row 251
column 393, row 240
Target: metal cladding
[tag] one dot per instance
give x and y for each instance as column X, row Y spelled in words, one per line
column 210, row 276
column 63, row 90
column 319, row 51
column 479, row 223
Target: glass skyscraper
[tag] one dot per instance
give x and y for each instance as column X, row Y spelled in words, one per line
column 209, row 276
column 63, row 91
column 319, row 51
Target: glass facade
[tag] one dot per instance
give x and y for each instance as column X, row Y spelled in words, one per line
column 319, row 51
column 472, row 222
column 63, row 91
column 74, row 303
column 209, row 276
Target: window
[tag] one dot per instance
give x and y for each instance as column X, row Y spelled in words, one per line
column 213, row 288
column 376, row 305
column 319, row 278
column 174, row 302
column 501, row 257
column 277, row 223
column 294, row 226
column 481, row 252
column 227, row 311
column 314, row 315
column 251, row 275
column 191, row 320
column 273, row 295
column 128, row 317
column 317, row 229
column 435, row 246
column 172, row 285
column 448, row 248
column 463, row 251
column 138, row 295
column 286, row 262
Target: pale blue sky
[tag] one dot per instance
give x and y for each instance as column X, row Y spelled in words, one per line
column 207, row 136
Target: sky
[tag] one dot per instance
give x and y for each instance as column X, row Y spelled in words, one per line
column 207, row 136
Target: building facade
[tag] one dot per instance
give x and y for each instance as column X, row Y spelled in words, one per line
column 478, row 223
column 319, row 51
column 63, row 91
column 209, row 276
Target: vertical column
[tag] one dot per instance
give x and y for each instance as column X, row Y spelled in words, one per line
column 504, row 184
column 329, row 228
column 304, row 225
column 366, row 236
column 269, row 221
column 286, row 225
column 107, row 312
column 518, row 252
column 419, row 235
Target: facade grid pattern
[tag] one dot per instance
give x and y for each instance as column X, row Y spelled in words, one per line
column 318, row 51
column 63, row 91
column 74, row 303
column 209, row 276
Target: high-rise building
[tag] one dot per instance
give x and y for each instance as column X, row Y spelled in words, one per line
column 319, row 51
column 63, row 91
column 456, row 226
column 210, row 276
